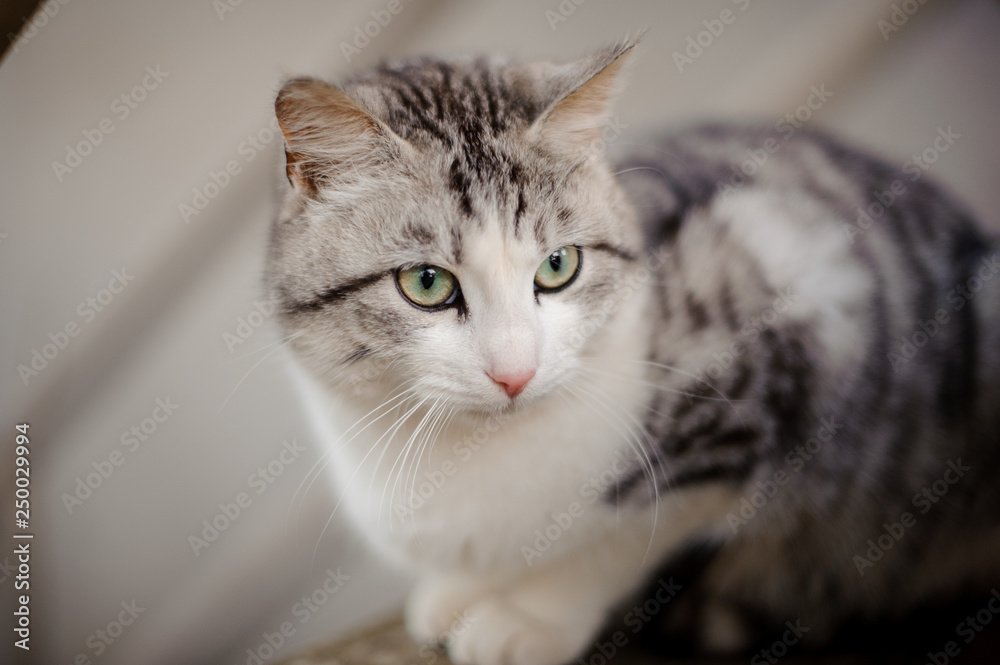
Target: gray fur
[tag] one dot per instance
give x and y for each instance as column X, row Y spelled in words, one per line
column 899, row 429
column 461, row 158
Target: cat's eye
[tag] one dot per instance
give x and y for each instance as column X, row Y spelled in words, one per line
column 559, row 269
column 427, row 286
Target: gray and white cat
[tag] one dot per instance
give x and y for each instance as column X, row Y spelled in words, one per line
column 563, row 372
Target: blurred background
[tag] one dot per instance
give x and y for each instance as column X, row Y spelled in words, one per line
column 139, row 171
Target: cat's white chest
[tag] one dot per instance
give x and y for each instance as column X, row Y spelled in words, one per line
column 494, row 493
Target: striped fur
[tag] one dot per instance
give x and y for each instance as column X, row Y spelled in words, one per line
column 745, row 343
column 896, row 422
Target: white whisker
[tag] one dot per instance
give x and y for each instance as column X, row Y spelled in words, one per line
column 257, row 364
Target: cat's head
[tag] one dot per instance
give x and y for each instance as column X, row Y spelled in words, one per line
column 453, row 227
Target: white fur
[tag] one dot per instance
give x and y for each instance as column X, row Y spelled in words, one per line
column 494, row 486
column 775, row 228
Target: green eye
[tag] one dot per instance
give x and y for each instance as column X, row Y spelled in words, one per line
column 559, row 269
column 427, row 286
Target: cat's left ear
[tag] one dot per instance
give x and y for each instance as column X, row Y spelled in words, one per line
column 574, row 121
column 328, row 135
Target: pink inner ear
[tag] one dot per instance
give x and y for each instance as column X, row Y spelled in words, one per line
column 325, row 129
column 575, row 122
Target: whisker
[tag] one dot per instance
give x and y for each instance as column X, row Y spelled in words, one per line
column 637, row 168
column 313, row 474
column 402, row 455
column 257, row 364
column 286, row 338
column 650, row 384
column 350, row 481
column 635, row 443
column 404, row 474
column 427, row 438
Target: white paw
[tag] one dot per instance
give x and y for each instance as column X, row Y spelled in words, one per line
column 494, row 632
column 433, row 607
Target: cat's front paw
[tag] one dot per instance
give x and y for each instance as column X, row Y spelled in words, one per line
column 493, row 631
column 435, row 606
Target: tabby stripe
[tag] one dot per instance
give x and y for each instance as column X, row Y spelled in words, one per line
column 334, row 294
column 357, row 355
column 728, row 309
column 521, row 205
column 689, row 399
column 447, row 93
column 738, row 437
column 683, row 440
column 456, row 245
column 957, row 393
column 728, row 471
column 623, row 254
column 459, row 183
column 492, row 95
column 416, row 106
column 696, row 312
column 741, row 381
column 724, row 470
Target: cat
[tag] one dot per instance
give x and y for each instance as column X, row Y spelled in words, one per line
column 564, row 373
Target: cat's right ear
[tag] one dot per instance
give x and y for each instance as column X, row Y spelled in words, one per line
column 327, row 134
column 575, row 120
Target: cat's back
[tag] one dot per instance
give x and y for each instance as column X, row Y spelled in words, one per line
column 878, row 295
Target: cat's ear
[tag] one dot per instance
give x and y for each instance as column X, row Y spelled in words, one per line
column 574, row 121
column 327, row 134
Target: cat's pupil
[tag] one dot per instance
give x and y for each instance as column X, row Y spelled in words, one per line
column 427, row 276
column 555, row 261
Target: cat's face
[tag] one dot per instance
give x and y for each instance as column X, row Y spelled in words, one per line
column 453, row 229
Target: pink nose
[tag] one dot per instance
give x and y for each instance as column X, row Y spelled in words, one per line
column 513, row 383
